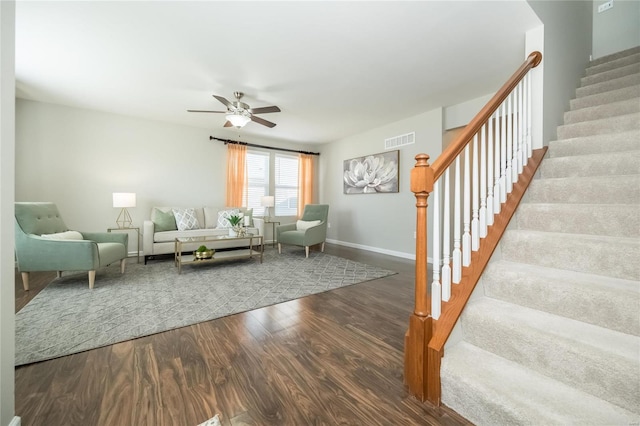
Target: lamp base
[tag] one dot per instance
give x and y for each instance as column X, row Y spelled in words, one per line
column 124, row 219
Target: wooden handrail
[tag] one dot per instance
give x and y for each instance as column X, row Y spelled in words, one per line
column 425, row 337
column 447, row 157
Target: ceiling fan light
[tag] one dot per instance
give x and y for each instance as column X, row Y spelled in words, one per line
column 237, row 120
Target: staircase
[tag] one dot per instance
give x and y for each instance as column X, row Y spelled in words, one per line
column 551, row 334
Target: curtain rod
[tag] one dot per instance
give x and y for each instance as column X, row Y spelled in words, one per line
column 226, row 141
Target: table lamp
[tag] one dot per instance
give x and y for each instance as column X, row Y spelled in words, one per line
column 124, row 200
column 266, row 202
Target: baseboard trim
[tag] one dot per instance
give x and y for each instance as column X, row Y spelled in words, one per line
column 15, row 421
column 410, row 256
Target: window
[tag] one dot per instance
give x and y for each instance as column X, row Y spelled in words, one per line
column 286, row 185
column 257, row 180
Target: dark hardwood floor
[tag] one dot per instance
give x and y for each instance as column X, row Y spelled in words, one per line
column 334, row 358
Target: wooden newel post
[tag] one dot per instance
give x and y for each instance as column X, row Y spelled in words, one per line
column 420, row 323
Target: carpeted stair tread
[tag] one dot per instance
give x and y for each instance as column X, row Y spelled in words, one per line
column 618, row 123
column 603, row 301
column 490, row 390
column 617, row 163
column 614, row 73
column 614, row 63
column 615, row 56
column 594, row 254
column 613, row 142
column 594, row 359
column 605, row 97
column 586, row 190
column 613, row 220
column 611, row 109
column 606, row 86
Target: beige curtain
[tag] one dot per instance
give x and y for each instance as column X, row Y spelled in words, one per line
column 236, row 174
column 305, row 181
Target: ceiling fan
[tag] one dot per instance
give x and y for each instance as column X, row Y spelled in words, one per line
column 238, row 113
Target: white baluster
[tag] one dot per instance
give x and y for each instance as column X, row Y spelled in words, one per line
column 509, row 158
column 490, row 167
column 435, row 285
column 497, row 162
column 529, row 142
column 466, row 210
column 457, row 252
column 475, row 222
column 503, row 154
column 446, row 242
column 525, row 121
column 514, row 129
column 520, row 128
column 483, row 181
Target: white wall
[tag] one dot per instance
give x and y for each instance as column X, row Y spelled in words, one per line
column 77, row 158
column 615, row 29
column 378, row 222
column 567, row 46
column 7, row 147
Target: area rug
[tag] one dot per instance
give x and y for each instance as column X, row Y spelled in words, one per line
column 67, row 317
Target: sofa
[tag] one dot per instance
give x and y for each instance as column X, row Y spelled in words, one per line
column 168, row 223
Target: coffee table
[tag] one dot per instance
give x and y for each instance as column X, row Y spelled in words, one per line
column 255, row 247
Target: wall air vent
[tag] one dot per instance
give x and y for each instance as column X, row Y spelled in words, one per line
column 398, row 141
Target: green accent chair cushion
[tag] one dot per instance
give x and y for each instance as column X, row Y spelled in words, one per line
column 290, row 234
column 35, row 253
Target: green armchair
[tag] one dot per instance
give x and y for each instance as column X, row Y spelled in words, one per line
column 301, row 234
column 38, row 250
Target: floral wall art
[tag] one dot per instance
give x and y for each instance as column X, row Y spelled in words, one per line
column 372, row 173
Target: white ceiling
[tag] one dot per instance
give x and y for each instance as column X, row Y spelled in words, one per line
column 334, row 68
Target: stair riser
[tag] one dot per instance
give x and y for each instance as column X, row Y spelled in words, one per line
column 613, row 109
column 600, row 373
column 615, row 56
column 607, row 66
column 591, row 219
column 609, row 75
column 605, row 98
column 620, row 123
column 626, row 163
column 593, row 301
column 600, row 190
column 615, row 84
column 617, row 142
column 617, row 258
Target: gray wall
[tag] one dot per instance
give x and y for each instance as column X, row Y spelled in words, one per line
column 567, row 46
column 77, row 158
column 7, row 146
column 615, row 29
column 378, row 222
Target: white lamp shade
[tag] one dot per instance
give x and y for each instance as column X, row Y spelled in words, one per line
column 124, row 199
column 268, row 201
column 237, row 120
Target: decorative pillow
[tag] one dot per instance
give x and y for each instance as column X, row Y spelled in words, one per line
column 248, row 217
column 67, row 235
column 223, row 217
column 303, row 225
column 186, row 219
column 164, row 221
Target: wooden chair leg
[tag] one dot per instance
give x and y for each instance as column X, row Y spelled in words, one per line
column 322, row 248
column 306, row 251
column 279, row 248
column 123, row 263
column 92, row 278
column 58, row 274
column 25, row 280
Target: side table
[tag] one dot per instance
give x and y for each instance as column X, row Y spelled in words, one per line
column 130, row 228
column 273, row 230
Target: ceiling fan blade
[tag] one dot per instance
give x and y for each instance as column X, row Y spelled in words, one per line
column 224, row 101
column 199, row 110
column 262, row 121
column 228, row 124
column 264, row 110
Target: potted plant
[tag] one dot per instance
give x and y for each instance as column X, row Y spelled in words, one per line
column 203, row 253
column 236, row 225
